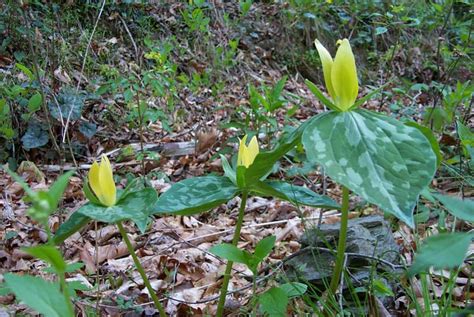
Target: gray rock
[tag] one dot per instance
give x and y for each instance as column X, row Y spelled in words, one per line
column 370, row 236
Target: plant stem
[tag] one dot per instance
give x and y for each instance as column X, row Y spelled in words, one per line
column 141, row 270
column 228, row 268
column 341, row 245
column 65, row 290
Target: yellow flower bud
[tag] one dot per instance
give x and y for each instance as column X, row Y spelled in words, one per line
column 247, row 153
column 101, row 181
column 340, row 74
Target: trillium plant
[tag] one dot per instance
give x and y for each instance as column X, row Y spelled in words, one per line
column 385, row 161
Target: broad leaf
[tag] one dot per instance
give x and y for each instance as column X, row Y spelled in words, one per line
column 42, row 296
column 463, row 209
column 264, row 247
column 73, row 224
column 445, row 250
column 300, row 195
column 430, row 136
column 36, row 136
column 230, row 253
column 375, row 156
column 274, row 302
column 136, row 205
column 194, row 195
column 49, row 254
column 294, row 289
column 69, row 104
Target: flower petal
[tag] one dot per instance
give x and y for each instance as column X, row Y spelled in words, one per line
column 107, row 184
column 252, row 150
column 327, row 62
column 242, row 151
column 93, row 178
column 344, row 76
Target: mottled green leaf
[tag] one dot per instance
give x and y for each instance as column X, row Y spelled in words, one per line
column 300, row 195
column 381, row 159
column 194, row 195
column 42, row 296
column 445, row 250
column 136, row 205
column 73, row 224
column 461, row 208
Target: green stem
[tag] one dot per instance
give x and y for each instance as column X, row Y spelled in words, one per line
column 228, row 268
column 65, row 290
column 341, row 246
column 141, row 270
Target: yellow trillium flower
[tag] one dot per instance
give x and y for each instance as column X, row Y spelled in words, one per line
column 247, row 153
column 101, row 181
column 340, row 74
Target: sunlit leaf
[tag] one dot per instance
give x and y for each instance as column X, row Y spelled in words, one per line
column 379, row 158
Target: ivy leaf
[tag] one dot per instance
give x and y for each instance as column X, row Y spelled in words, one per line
column 68, row 101
column 35, row 136
column 379, row 158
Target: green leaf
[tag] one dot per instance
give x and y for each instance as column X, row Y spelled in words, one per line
column 194, row 195
column 380, row 30
column 381, row 289
column 56, row 190
column 34, row 103
column 49, row 254
column 319, row 94
column 274, row 302
column 445, row 250
column 300, row 195
column 377, row 157
column 136, row 205
column 229, row 172
column 264, row 247
column 264, row 161
column 89, row 193
column 42, row 296
column 230, row 252
column 69, row 103
column 35, row 136
column 361, row 101
column 430, row 136
column 74, row 223
column 88, row 129
column 461, row 208
column 294, row 289
column 25, row 71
